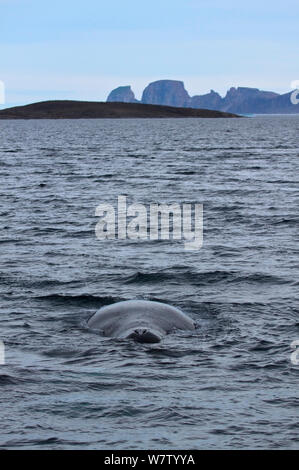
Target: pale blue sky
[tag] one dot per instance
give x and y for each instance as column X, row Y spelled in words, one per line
column 82, row 50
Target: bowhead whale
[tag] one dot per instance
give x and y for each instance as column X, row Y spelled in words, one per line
column 141, row 320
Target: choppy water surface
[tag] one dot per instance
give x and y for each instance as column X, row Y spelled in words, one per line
column 231, row 383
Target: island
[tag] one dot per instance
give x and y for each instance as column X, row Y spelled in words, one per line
column 64, row 109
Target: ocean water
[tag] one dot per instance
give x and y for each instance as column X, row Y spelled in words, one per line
column 230, row 384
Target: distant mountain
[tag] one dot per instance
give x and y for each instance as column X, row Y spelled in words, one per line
column 211, row 100
column 122, row 94
column 280, row 104
column 166, row 93
column 98, row 110
column 241, row 100
column 247, row 100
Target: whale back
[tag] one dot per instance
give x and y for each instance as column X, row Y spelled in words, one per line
column 123, row 318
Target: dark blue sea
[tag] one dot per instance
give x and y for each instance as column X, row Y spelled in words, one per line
column 230, row 384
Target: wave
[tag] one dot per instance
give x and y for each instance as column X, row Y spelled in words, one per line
column 83, row 300
column 203, row 278
column 6, row 379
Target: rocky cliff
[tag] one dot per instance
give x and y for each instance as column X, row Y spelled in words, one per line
column 166, row 93
column 246, row 99
column 241, row 100
column 122, row 94
column 211, row 100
